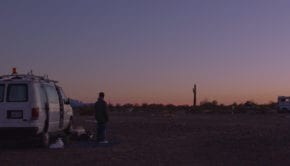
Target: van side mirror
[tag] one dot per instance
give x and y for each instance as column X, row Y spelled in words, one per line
column 67, row 101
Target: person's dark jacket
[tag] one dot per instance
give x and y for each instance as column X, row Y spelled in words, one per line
column 101, row 111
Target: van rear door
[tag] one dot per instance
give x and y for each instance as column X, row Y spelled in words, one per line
column 17, row 103
column 2, row 103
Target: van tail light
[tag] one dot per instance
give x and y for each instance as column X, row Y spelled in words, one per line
column 35, row 113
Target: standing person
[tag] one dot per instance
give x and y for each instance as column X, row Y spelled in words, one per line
column 101, row 115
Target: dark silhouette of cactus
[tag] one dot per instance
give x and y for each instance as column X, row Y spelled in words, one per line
column 194, row 97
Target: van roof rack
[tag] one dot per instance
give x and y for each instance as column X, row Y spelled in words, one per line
column 27, row 77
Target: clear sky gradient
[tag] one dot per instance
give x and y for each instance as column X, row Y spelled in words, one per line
column 152, row 51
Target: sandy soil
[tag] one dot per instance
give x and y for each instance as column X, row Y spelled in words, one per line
column 141, row 138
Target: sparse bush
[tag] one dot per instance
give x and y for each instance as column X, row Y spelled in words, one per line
column 204, row 107
column 84, row 110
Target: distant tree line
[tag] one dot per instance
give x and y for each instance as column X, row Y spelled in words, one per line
column 204, row 107
column 248, row 106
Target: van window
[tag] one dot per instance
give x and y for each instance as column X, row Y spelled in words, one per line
column 51, row 94
column 1, row 92
column 43, row 98
column 17, row 93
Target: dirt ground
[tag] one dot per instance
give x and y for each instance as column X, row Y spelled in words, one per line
column 146, row 138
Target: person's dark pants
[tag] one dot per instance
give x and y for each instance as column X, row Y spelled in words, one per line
column 101, row 132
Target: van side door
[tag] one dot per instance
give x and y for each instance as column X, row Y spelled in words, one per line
column 61, row 105
column 67, row 113
column 53, row 107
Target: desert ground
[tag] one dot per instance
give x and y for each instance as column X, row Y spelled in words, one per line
column 163, row 138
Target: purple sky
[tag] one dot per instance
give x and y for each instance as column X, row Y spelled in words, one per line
column 152, row 51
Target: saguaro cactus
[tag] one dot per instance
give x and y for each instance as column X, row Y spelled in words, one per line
column 194, row 96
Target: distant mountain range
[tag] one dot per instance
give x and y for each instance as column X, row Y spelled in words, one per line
column 76, row 103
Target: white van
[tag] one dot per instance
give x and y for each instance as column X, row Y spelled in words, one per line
column 33, row 106
column 283, row 104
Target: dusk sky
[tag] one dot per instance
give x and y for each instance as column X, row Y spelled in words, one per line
column 152, row 51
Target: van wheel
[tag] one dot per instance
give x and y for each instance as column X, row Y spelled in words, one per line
column 44, row 140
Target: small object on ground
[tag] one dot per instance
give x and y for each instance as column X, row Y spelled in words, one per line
column 103, row 142
column 57, row 145
column 86, row 136
column 79, row 131
column 81, row 134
